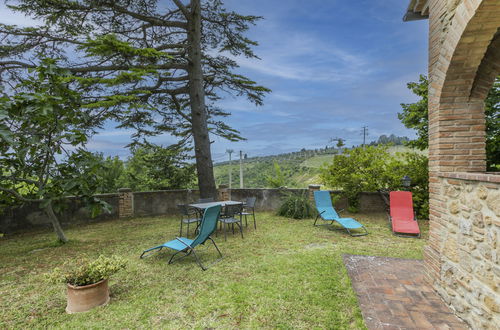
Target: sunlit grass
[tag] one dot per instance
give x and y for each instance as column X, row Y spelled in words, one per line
column 286, row 274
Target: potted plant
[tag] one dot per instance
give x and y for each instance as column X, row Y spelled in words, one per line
column 87, row 282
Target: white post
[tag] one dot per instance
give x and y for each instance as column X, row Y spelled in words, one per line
column 230, row 151
column 241, row 169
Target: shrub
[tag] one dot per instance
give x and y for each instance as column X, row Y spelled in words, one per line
column 86, row 271
column 357, row 170
column 417, row 167
column 296, row 206
column 373, row 169
column 277, row 180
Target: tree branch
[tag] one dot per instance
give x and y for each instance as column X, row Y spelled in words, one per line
column 19, row 179
column 182, row 8
column 150, row 19
column 178, row 66
column 19, row 196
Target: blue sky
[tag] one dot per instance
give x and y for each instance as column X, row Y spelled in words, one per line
column 334, row 66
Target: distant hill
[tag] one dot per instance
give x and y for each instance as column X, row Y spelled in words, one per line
column 299, row 168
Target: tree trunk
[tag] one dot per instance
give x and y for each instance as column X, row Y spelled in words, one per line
column 55, row 223
column 204, row 166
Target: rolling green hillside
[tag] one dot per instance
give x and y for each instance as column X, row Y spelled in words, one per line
column 299, row 168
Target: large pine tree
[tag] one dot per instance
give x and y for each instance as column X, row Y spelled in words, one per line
column 155, row 66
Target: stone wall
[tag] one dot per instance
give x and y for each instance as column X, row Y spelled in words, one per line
column 152, row 203
column 468, row 253
column 126, row 204
column 31, row 216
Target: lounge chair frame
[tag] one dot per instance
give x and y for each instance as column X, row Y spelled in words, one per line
column 320, row 215
column 341, row 228
column 188, row 250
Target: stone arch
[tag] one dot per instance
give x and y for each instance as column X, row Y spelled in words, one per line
column 463, row 68
column 464, row 59
column 488, row 70
column 471, row 49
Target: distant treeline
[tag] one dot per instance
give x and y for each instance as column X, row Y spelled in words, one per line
column 328, row 150
column 391, row 139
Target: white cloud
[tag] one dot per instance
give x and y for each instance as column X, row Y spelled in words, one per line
column 304, row 57
column 115, row 133
column 10, row 17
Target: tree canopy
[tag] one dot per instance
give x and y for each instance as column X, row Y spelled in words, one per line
column 415, row 115
column 149, row 63
column 43, row 130
column 154, row 167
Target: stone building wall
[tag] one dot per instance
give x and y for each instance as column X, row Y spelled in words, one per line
column 461, row 256
column 468, row 248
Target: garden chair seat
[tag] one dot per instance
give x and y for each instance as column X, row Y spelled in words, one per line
column 405, row 226
column 179, row 244
column 232, row 215
column 188, row 216
column 249, row 209
column 401, row 215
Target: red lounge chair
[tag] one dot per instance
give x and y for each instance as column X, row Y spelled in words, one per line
column 402, row 218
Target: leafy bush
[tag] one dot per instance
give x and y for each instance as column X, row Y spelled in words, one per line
column 86, row 271
column 373, row 169
column 296, row 206
column 277, row 179
column 417, row 167
column 357, row 170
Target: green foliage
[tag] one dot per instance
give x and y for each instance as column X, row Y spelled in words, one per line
column 296, row 206
column 153, row 167
column 110, row 172
column 391, row 139
column 276, row 180
column 110, row 45
column 374, row 169
column 43, row 130
column 416, row 166
column 357, row 170
column 492, row 113
column 85, row 271
column 415, row 116
column 135, row 64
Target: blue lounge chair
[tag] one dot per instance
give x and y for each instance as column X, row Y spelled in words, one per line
column 327, row 212
column 186, row 245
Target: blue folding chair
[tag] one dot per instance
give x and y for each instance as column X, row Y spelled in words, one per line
column 186, row 245
column 327, row 213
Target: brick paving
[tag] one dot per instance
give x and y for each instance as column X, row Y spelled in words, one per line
column 392, row 294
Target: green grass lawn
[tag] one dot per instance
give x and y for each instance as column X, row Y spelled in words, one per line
column 286, row 274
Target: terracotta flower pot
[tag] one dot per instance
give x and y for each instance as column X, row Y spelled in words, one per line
column 84, row 298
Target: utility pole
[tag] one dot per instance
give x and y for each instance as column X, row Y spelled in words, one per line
column 365, row 133
column 230, row 151
column 241, row 169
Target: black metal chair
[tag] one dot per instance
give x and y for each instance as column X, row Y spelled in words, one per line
column 249, row 209
column 230, row 216
column 188, row 215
